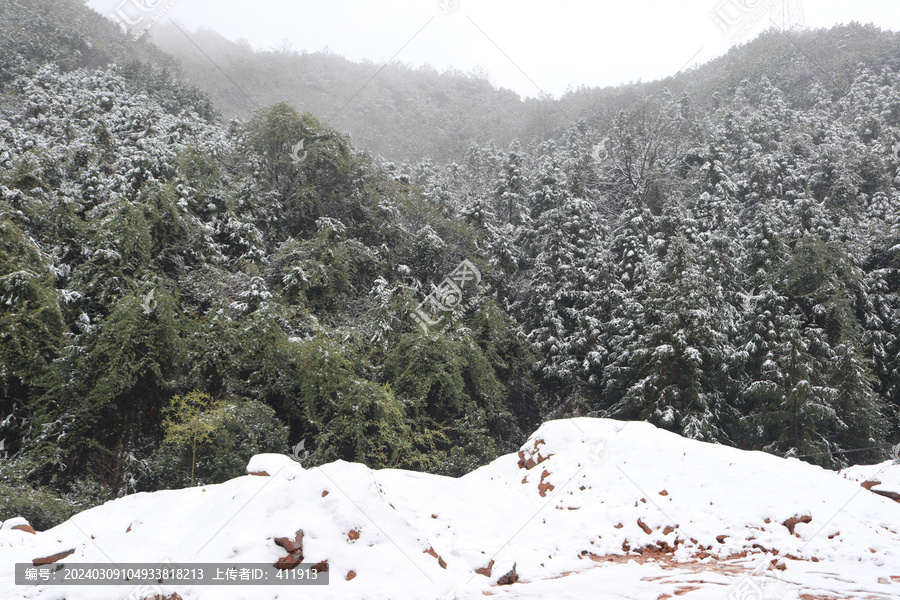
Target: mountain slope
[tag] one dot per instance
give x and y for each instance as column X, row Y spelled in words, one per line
column 410, row 114
column 34, row 33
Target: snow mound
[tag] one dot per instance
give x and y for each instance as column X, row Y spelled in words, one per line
column 270, row 464
column 19, row 523
column 585, row 504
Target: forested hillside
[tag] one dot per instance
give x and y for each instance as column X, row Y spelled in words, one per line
column 401, row 113
column 178, row 292
column 413, row 114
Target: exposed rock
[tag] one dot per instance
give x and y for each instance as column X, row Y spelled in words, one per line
column 792, row 522
column 486, row 571
column 871, row 484
column 543, row 487
column 26, row 528
column 350, row 575
column 295, row 551
column 321, row 567
column 435, row 554
column 49, row 560
column 19, row 523
column 534, row 456
column 644, row 526
column 510, row 577
column 353, row 535
column 286, row 563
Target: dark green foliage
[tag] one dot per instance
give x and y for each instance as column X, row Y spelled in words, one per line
column 41, row 507
column 213, row 443
column 31, row 324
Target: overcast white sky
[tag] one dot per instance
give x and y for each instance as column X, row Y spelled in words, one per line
column 525, row 45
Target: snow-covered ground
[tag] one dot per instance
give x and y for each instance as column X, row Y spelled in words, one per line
column 589, row 508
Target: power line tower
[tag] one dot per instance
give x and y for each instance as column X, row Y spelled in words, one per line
column 787, row 15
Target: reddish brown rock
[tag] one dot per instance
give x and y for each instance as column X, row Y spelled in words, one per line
column 260, row 473
column 644, row 526
column 321, row 567
column 350, row 575
column 871, row 484
column 486, row 571
column 792, row 522
column 49, row 560
column 509, row 578
column 286, row 563
column 353, row 535
column 531, row 462
column 295, row 545
column 435, row 554
column 26, row 527
column 544, row 487
column 295, row 551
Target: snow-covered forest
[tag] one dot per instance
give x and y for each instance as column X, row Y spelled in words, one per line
column 717, row 254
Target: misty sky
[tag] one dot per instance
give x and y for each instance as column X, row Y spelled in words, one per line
column 525, row 45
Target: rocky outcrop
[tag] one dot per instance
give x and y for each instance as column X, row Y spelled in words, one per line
column 19, row 524
column 294, row 548
column 49, row 560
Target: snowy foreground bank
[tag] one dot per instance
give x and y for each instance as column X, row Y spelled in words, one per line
column 589, row 508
